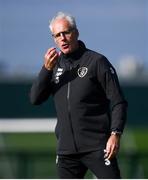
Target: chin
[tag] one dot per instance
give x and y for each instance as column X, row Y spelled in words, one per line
column 66, row 51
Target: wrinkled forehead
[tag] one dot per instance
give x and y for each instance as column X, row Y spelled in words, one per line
column 60, row 25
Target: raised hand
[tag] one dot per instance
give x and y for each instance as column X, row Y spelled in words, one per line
column 50, row 58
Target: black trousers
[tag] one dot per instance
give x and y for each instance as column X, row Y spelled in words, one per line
column 75, row 166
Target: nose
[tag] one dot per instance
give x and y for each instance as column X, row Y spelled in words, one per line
column 62, row 35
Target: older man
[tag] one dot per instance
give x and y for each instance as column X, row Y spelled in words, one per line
column 90, row 105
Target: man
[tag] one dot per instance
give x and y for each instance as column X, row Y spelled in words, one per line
column 91, row 109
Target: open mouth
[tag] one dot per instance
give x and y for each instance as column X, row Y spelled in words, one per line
column 65, row 46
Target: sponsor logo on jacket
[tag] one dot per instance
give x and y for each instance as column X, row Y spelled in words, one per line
column 58, row 74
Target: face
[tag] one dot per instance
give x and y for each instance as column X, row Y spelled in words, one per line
column 65, row 37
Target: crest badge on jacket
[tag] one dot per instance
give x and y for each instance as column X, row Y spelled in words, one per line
column 82, row 71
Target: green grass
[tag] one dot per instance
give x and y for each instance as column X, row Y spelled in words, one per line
column 134, row 153
column 30, row 141
column 141, row 138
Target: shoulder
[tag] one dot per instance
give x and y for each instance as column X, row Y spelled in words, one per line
column 98, row 58
column 101, row 63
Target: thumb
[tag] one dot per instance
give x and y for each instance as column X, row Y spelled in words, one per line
column 59, row 53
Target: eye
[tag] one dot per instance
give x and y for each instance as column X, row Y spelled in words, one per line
column 58, row 35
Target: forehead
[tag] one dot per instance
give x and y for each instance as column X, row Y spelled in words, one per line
column 60, row 25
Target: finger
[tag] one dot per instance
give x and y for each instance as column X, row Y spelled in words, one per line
column 110, row 155
column 50, row 50
column 53, row 61
column 50, row 64
column 53, row 54
column 50, row 57
column 113, row 153
column 50, row 54
column 108, row 149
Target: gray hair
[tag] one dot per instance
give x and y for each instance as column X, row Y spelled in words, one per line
column 62, row 15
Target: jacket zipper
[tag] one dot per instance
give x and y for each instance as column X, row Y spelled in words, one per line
column 69, row 114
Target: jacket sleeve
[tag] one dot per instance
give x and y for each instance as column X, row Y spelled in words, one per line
column 41, row 88
column 118, row 105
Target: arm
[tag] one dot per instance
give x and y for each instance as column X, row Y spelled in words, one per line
column 42, row 87
column 118, row 106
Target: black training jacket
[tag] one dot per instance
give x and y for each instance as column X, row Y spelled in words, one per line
column 88, row 100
